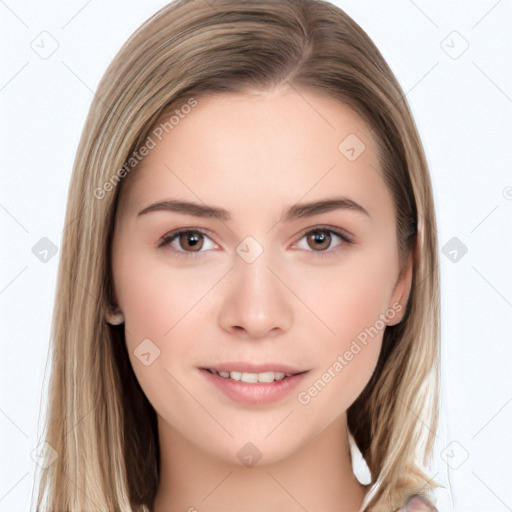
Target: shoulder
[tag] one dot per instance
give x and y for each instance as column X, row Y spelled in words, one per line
column 417, row 503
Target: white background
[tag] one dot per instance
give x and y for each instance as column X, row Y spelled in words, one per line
column 463, row 109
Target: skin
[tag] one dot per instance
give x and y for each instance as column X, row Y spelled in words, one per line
column 301, row 302
column 417, row 504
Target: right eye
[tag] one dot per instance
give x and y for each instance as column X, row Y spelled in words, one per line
column 187, row 242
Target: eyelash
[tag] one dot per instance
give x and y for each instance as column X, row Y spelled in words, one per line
column 168, row 238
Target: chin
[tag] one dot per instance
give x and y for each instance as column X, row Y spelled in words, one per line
column 254, row 452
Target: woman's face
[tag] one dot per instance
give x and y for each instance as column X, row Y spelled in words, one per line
column 288, row 264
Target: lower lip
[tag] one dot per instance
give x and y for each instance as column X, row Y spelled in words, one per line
column 257, row 393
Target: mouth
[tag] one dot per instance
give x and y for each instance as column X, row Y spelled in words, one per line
column 252, row 384
column 252, row 378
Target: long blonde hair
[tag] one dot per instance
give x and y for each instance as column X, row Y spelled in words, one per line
column 98, row 421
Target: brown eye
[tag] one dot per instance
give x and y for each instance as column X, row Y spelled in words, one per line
column 189, row 243
column 191, row 240
column 319, row 240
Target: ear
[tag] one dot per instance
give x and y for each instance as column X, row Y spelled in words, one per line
column 113, row 315
column 402, row 290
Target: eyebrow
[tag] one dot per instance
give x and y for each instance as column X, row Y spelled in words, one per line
column 296, row 211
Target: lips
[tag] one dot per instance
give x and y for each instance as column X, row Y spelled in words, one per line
column 251, row 383
column 268, row 376
column 255, row 368
column 252, row 372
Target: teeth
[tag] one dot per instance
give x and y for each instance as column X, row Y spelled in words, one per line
column 253, row 377
column 269, row 376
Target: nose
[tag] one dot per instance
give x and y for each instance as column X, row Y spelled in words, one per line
column 255, row 303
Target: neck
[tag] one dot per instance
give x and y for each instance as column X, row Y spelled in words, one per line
column 317, row 477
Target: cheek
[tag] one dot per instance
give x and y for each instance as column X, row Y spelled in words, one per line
column 346, row 299
column 349, row 305
column 161, row 304
column 155, row 297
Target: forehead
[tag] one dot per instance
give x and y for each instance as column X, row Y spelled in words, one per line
column 264, row 147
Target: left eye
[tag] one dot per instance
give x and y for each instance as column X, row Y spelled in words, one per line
column 321, row 239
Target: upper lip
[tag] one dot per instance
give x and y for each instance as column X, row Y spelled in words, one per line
column 248, row 367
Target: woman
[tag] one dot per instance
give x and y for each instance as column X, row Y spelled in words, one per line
column 249, row 277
